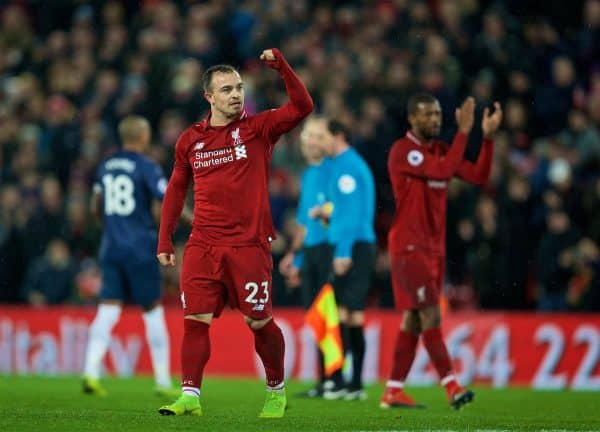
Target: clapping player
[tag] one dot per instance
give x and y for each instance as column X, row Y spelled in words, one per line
column 420, row 167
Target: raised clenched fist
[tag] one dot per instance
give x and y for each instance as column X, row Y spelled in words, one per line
column 272, row 58
column 267, row 55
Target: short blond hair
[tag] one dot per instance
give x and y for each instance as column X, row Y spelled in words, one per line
column 132, row 127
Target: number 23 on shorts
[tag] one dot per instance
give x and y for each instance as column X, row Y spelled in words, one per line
column 258, row 299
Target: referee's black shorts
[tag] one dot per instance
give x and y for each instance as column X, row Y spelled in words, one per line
column 315, row 271
column 351, row 289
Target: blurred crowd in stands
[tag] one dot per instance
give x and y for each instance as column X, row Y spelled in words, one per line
column 70, row 69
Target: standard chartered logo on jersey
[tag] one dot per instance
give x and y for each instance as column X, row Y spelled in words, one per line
column 209, row 158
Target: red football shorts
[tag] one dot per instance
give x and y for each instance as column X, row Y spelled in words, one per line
column 417, row 279
column 213, row 275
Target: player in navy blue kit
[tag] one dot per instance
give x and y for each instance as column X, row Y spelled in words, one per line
column 126, row 185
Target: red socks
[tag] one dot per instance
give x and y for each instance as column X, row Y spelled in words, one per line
column 195, row 352
column 404, row 354
column 438, row 353
column 269, row 345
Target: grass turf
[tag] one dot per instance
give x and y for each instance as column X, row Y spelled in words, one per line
column 57, row 404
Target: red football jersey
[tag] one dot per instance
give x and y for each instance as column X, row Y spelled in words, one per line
column 419, row 173
column 230, row 169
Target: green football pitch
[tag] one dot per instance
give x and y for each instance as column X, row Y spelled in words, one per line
column 57, row 404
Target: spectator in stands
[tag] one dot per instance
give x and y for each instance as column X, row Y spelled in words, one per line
column 582, row 141
column 489, row 260
column 553, row 268
column 11, row 267
column 584, row 287
column 515, row 205
column 591, row 203
column 49, row 279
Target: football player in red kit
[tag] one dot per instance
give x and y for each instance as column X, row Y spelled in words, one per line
column 228, row 255
column 420, row 167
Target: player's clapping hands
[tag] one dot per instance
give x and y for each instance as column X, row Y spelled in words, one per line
column 491, row 122
column 465, row 115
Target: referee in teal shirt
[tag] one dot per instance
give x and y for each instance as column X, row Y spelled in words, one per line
column 350, row 214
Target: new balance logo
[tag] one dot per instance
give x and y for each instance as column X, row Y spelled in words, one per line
column 259, row 307
column 240, row 152
column 199, row 146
